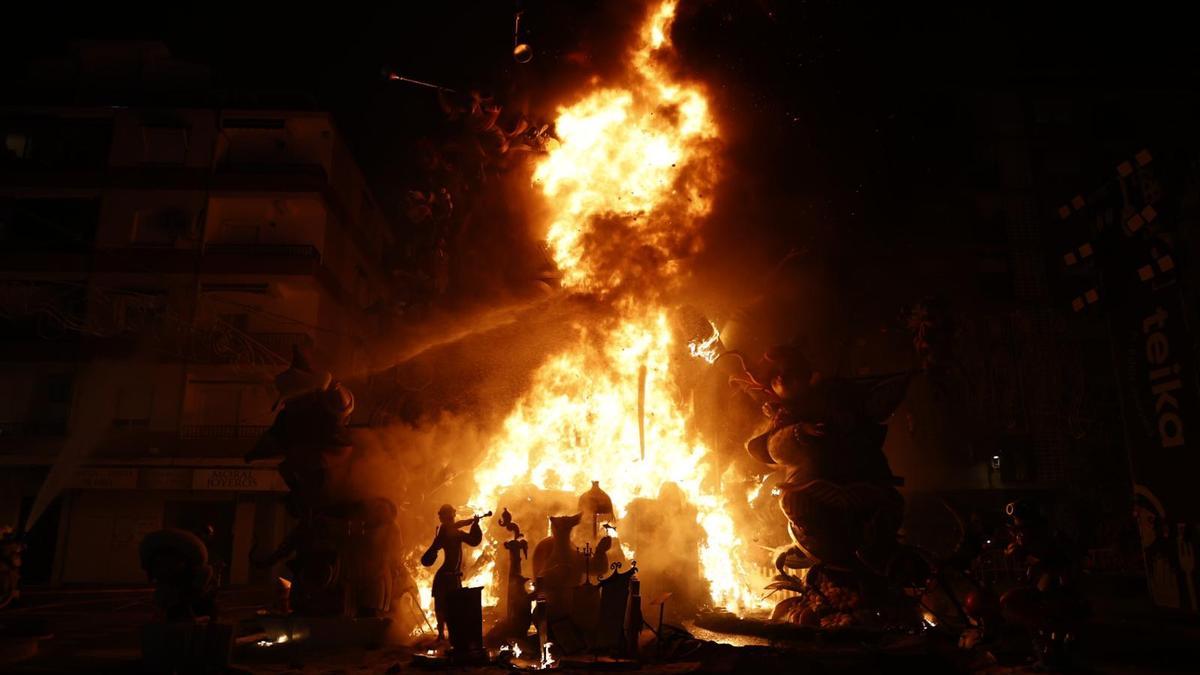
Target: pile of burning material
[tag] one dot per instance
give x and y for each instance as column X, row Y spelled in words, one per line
column 626, row 188
column 577, row 601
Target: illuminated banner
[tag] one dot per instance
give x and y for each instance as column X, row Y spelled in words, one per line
column 1138, row 283
column 1159, row 381
column 238, row 480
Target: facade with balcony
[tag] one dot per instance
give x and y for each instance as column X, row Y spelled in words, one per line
column 157, row 268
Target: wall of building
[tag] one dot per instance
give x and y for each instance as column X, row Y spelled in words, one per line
column 266, row 220
column 163, row 138
column 105, row 526
column 189, row 283
column 167, row 218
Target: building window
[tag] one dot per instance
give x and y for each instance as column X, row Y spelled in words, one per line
column 238, row 322
column 164, row 144
column 61, row 143
column 252, row 123
column 60, row 223
column 52, row 403
column 219, row 405
column 9, row 410
column 234, row 232
column 161, row 227
column 42, row 310
column 18, row 145
column 259, row 141
column 134, row 405
column 59, row 388
column 137, row 310
column 227, row 409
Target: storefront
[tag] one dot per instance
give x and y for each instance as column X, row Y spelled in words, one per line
column 107, row 510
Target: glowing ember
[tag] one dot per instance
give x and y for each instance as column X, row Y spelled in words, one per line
column 629, row 181
column 756, row 488
column 271, row 643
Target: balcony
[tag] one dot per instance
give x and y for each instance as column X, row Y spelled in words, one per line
column 220, row 344
column 33, row 429
column 145, row 259
column 281, row 344
column 221, row 431
column 266, row 250
column 299, row 259
column 267, row 175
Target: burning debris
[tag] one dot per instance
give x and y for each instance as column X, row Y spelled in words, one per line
column 631, row 173
column 706, row 344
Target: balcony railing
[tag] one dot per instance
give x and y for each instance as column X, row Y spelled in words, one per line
column 229, row 346
column 265, row 250
column 33, row 429
column 280, row 344
column 221, row 431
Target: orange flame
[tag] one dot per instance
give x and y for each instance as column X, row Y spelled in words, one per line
column 631, row 177
column 707, row 348
column 639, row 153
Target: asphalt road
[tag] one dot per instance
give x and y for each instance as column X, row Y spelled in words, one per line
column 97, row 631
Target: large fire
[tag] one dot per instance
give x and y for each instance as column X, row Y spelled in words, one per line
column 627, row 187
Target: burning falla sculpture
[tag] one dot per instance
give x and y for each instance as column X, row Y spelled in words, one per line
column 340, row 548
column 829, row 441
column 450, row 540
column 557, row 563
column 838, row 492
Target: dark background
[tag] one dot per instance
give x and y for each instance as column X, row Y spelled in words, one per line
column 863, row 133
column 851, row 101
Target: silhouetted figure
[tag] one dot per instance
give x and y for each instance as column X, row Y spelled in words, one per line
column 449, row 539
column 177, row 562
column 342, row 547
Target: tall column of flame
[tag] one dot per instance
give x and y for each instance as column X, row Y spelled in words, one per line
column 633, row 174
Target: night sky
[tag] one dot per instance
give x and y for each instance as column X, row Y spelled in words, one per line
column 837, row 115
